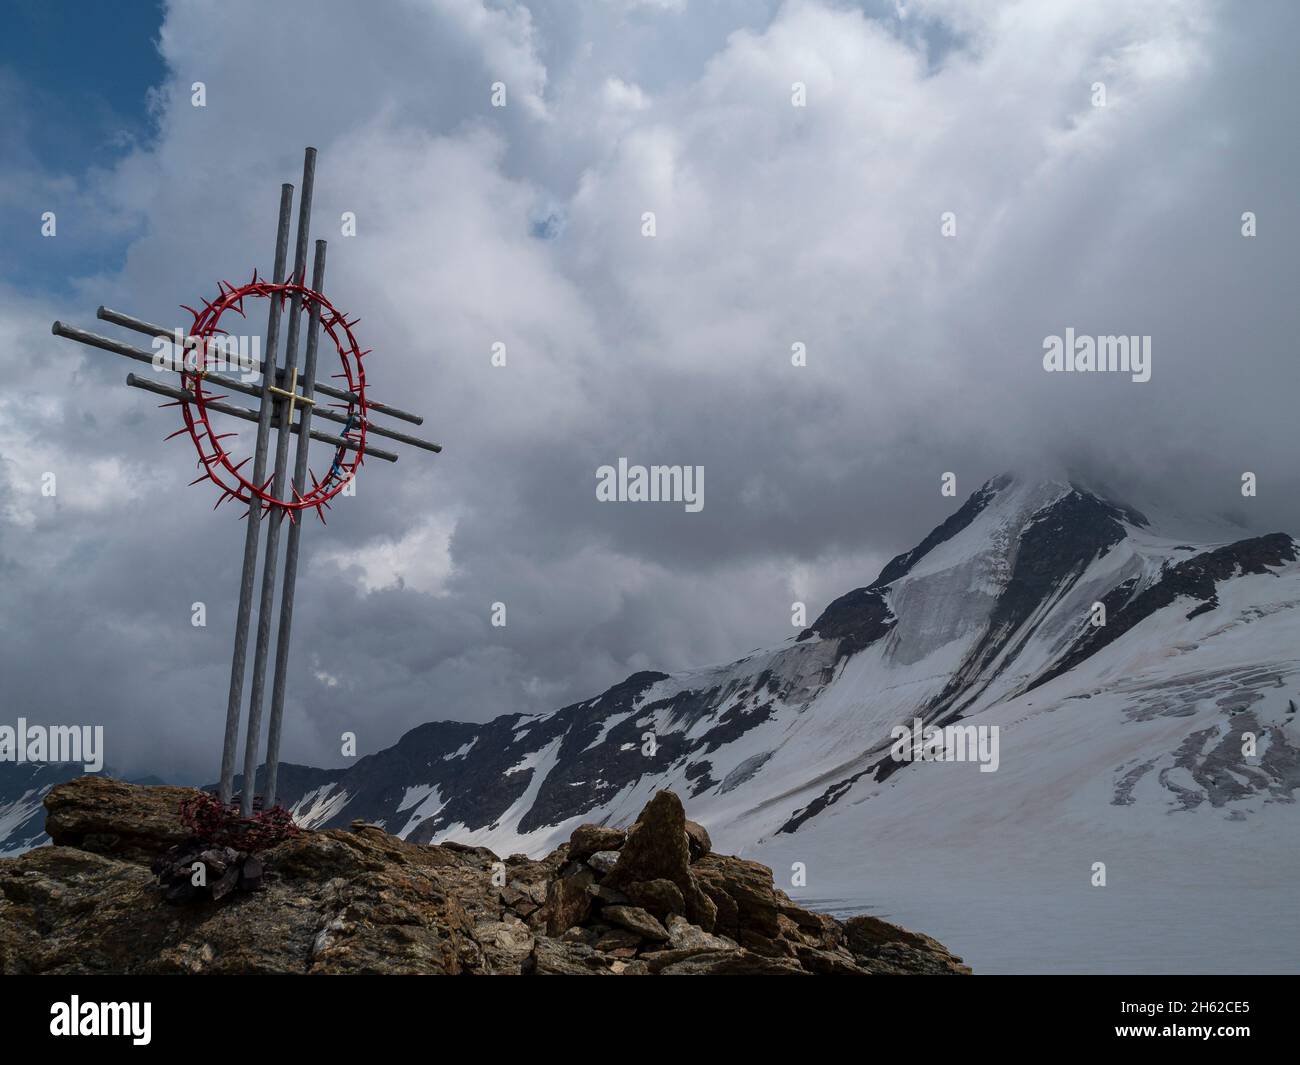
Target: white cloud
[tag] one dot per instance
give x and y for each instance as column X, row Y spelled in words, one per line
column 776, row 224
column 420, row 559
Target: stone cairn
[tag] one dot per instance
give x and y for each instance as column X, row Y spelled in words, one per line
column 654, row 899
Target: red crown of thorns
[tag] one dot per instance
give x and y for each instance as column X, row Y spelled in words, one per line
column 214, row 459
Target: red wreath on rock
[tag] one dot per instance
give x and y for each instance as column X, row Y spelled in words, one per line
column 213, row 823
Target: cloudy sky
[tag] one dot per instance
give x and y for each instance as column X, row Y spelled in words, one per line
column 775, row 224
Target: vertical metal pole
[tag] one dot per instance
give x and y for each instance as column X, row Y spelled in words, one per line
column 295, row 534
column 252, row 739
column 236, row 697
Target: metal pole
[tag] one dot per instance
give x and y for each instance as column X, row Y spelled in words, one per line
column 295, row 534
column 253, row 737
column 235, row 697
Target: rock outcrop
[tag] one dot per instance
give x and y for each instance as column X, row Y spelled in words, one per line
column 651, row 900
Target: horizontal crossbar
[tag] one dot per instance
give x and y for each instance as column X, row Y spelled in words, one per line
column 126, row 321
column 185, row 396
column 94, row 340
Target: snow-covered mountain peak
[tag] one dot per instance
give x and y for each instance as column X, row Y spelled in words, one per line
column 998, row 603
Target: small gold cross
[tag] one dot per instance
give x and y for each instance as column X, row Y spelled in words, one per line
column 292, row 395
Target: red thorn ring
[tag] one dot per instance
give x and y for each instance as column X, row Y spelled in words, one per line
column 217, row 462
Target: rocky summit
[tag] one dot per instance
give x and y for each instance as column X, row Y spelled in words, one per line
column 651, row 898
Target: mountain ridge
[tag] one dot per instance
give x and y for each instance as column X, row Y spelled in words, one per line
column 991, row 606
